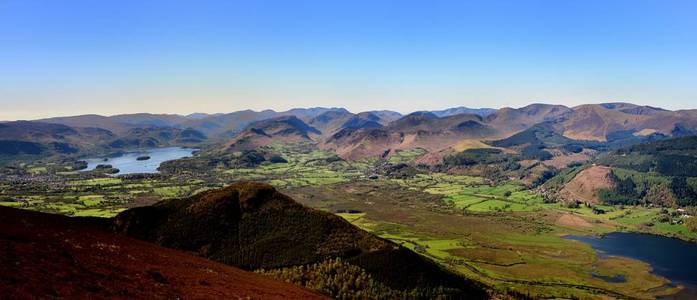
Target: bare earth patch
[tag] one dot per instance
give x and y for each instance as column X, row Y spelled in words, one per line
column 570, row 220
column 586, row 183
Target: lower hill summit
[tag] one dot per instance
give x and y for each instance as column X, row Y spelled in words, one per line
column 253, row 226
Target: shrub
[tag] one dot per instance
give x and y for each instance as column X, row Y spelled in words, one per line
column 277, row 159
column 535, row 152
column 691, row 224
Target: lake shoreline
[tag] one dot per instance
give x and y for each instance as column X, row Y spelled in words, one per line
column 131, row 162
column 650, row 249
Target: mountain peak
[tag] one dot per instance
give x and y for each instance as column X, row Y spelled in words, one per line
column 247, row 196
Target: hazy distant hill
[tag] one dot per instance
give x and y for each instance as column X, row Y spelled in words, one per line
column 37, row 138
column 119, row 123
column 150, row 137
column 483, row 112
column 224, row 125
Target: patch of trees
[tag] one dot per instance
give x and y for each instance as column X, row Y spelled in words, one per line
column 676, row 165
column 614, row 198
column 400, row 171
column 544, row 176
column 624, row 193
column 572, row 148
column 471, row 157
column 545, row 136
column 341, row 280
column 676, row 144
column 537, row 135
column 277, row 159
column 251, row 158
column 535, row 152
column 64, row 148
column 684, row 194
column 20, row 147
column 636, row 162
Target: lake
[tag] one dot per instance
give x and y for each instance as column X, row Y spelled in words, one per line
column 128, row 162
column 671, row 258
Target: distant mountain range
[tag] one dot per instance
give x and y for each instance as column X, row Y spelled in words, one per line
column 351, row 135
column 483, row 112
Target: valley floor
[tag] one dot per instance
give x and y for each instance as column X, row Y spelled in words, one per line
column 504, row 235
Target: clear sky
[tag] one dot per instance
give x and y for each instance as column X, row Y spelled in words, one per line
column 74, row 57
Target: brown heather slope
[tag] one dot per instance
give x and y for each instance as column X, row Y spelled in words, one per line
column 280, row 129
column 56, row 257
column 510, row 121
column 585, row 185
column 596, row 121
column 418, row 130
column 253, row 226
column 332, row 122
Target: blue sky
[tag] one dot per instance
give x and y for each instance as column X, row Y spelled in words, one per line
column 107, row 57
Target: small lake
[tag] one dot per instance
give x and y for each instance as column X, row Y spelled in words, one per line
column 128, row 162
column 671, row 258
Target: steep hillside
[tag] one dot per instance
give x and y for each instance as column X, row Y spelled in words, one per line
column 331, row 122
column 37, row 138
column 279, row 129
column 512, row 120
column 253, row 226
column 660, row 173
column 670, row 157
column 147, row 137
column 417, row 130
column 56, row 257
column 610, row 121
column 584, row 187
